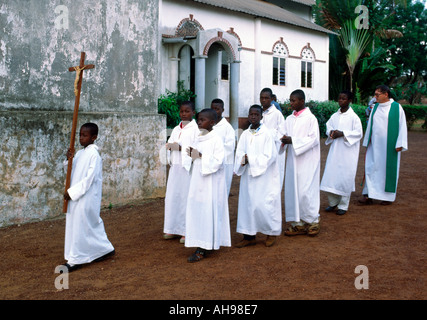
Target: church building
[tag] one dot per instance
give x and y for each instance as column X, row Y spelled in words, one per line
column 228, row 49
column 232, row 49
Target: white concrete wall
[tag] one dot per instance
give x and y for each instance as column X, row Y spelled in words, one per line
column 296, row 39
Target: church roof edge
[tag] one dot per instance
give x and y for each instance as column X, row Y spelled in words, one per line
column 266, row 10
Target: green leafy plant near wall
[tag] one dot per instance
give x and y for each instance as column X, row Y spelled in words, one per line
column 325, row 109
column 169, row 102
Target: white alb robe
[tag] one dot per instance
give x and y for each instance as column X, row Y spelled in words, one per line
column 179, row 178
column 302, row 192
column 224, row 129
column 375, row 162
column 260, row 208
column 275, row 121
column 341, row 164
column 85, row 237
column 207, row 217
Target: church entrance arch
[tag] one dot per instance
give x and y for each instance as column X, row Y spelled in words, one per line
column 207, row 63
column 186, row 67
column 218, row 71
column 217, row 75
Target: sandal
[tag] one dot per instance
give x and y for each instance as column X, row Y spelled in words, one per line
column 295, row 230
column 168, row 236
column 313, row 229
column 197, row 256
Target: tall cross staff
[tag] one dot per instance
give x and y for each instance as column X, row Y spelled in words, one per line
column 77, row 89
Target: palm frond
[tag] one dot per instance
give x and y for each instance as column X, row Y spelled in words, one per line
column 354, row 41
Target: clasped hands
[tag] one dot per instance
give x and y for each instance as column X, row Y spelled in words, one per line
column 193, row 153
column 334, row 134
column 173, row 146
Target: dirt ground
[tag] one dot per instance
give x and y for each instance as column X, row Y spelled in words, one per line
column 389, row 240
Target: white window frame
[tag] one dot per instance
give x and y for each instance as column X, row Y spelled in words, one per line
column 307, row 62
column 280, row 54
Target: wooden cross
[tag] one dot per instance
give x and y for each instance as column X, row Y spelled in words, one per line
column 77, row 89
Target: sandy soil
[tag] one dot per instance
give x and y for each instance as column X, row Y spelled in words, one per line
column 389, row 240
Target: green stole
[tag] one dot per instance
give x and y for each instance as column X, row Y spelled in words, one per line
column 392, row 154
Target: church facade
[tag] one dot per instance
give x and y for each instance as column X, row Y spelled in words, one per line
column 231, row 49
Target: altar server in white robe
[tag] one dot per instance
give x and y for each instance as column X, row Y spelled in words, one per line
column 344, row 131
column 275, row 121
column 260, row 208
column 224, row 129
column 385, row 138
column 302, row 179
column 182, row 136
column 207, row 216
column 85, row 237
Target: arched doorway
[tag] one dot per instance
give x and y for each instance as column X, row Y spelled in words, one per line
column 208, row 63
column 186, row 67
column 217, row 76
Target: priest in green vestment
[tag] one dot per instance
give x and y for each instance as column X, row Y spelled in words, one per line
column 385, row 138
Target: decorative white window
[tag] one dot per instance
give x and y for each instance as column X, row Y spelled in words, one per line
column 280, row 53
column 307, row 68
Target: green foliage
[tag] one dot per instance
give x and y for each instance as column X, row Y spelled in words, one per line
column 408, row 53
column 324, row 110
column 391, row 51
column 354, row 41
column 169, row 103
column 408, row 91
column 414, row 113
column 371, row 71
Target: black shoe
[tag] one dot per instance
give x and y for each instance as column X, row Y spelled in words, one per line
column 105, row 256
column 71, row 268
column 330, row 209
column 340, row 212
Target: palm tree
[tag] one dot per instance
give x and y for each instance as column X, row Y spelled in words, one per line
column 354, row 41
column 339, row 16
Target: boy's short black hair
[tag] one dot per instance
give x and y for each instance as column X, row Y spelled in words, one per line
column 299, row 94
column 188, row 103
column 348, row 93
column 256, row 106
column 210, row 113
column 268, row 90
column 218, row 101
column 92, row 127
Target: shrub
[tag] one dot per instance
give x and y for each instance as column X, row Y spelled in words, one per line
column 414, row 113
column 324, row 110
column 169, row 103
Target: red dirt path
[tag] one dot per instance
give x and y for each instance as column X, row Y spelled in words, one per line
column 389, row 240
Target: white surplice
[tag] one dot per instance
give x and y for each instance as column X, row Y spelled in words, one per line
column 179, row 178
column 228, row 136
column 260, row 208
column 207, row 216
column 85, row 237
column 341, row 164
column 375, row 162
column 275, row 121
column 302, row 178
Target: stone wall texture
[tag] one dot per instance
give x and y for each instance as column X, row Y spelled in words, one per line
column 39, row 41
